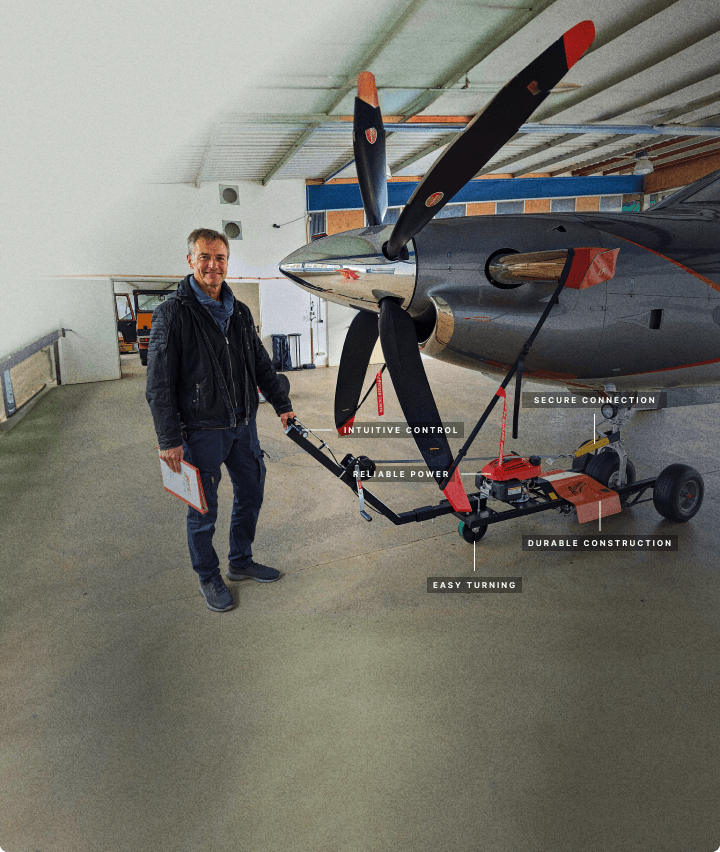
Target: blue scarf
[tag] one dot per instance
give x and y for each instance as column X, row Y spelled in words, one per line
column 222, row 310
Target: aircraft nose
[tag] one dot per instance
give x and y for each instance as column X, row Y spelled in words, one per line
column 351, row 269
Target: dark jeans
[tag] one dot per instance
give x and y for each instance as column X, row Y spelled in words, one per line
column 239, row 450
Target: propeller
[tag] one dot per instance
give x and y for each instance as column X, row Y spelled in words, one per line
column 402, row 356
column 487, row 133
column 483, row 137
column 357, row 350
column 369, row 149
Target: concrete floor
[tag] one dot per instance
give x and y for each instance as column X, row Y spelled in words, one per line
column 344, row 708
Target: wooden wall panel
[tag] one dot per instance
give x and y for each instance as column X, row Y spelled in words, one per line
column 682, row 174
column 344, row 220
column 537, row 205
column 587, row 203
column 481, row 208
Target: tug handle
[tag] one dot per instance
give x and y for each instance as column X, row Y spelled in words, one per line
column 296, row 424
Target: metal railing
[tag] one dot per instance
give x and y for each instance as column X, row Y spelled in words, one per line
column 13, row 401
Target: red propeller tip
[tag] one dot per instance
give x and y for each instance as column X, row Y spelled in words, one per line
column 367, row 90
column 346, row 428
column 577, row 41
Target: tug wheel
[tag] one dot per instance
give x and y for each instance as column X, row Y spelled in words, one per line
column 579, row 463
column 678, row 492
column 605, row 468
column 471, row 534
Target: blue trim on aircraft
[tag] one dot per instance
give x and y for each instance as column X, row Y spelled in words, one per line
column 346, row 196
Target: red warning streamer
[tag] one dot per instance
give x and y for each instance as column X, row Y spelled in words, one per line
column 501, row 393
column 380, row 400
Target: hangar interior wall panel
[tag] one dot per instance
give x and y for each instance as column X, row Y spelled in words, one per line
column 89, row 351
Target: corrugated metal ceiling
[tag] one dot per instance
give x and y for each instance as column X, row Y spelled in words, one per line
column 652, row 63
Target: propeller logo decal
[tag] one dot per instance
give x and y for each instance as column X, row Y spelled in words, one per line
column 371, row 135
column 433, row 199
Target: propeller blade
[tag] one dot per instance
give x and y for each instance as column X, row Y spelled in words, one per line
column 488, row 132
column 369, row 148
column 359, row 343
column 402, row 356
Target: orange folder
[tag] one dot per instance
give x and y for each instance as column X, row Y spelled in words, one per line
column 186, row 485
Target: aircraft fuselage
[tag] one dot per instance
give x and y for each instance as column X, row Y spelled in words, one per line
column 654, row 324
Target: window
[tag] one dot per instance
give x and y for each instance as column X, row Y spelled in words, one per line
column 562, row 205
column 150, row 301
column 318, row 224
column 124, row 310
column 510, row 207
column 611, row 203
column 450, row 211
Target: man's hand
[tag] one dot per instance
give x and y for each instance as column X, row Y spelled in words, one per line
column 285, row 417
column 173, row 457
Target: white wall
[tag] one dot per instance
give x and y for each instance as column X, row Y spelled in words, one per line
column 89, row 350
column 141, row 230
column 88, row 353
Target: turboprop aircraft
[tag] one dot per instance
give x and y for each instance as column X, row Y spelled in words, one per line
column 621, row 301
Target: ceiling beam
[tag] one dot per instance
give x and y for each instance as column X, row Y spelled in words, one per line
column 475, row 57
column 669, row 50
column 440, row 86
column 686, row 109
column 428, row 149
column 661, row 159
column 529, row 152
column 408, row 11
column 206, row 156
column 657, row 148
column 569, row 155
column 290, row 153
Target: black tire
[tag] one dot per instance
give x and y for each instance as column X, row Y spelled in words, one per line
column 284, row 382
column 579, row 463
column 604, row 468
column 678, row 492
column 143, row 357
column 469, row 534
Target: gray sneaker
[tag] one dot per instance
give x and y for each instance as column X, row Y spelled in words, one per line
column 216, row 594
column 254, row 571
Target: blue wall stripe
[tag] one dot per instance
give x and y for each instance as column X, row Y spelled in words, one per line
column 346, row 196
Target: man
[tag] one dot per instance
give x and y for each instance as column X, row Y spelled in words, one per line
column 205, row 363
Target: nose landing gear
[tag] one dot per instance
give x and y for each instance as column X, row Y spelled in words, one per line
column 610, row 464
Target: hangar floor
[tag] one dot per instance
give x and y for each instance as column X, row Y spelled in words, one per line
column 345, row 708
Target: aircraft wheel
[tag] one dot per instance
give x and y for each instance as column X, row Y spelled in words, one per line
column 678, row 492
column 471, row 534
column 605, row 467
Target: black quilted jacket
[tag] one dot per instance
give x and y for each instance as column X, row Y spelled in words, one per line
column 199, row 377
